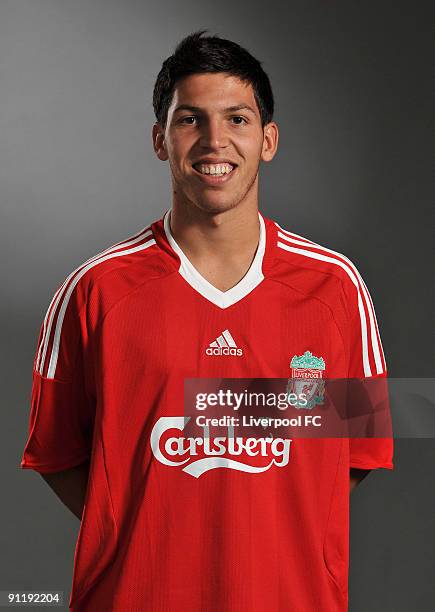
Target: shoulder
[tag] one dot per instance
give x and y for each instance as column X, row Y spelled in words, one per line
column 91, row 289
column 128, row 254
column 333, row 278
column 109, row 273
column 314, row 267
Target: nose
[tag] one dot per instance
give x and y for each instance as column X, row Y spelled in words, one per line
column 213, row 134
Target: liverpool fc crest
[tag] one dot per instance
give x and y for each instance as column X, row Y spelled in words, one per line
column 307, row 379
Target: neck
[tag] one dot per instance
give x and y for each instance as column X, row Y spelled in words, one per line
column 223, row 235
column 221, row 246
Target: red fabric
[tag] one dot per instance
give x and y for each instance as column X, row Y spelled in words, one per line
column 154, row 537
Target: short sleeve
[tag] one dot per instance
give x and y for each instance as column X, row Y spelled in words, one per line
column 62, row 400
column 366, row 360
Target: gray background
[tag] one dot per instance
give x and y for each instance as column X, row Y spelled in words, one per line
column 353, row 172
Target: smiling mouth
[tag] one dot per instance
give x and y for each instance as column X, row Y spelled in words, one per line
column 218, row 173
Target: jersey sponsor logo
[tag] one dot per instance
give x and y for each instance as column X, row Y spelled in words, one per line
column 201, row 454
column 306, row 378
column 224, row 345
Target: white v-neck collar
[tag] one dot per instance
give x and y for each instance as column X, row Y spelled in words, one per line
column 223, row 299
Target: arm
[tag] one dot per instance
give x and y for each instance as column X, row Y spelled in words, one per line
column 70, row 486
column 356, row 475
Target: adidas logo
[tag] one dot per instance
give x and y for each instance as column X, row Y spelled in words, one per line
column 224, row 345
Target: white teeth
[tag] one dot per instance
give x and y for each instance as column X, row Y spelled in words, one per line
column 216, row 169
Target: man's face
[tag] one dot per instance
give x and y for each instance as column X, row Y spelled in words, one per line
column 214, row 141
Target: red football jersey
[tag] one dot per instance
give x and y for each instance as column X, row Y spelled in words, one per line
column 163, row 530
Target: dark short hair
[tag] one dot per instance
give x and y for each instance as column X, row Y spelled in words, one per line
column 197, row 54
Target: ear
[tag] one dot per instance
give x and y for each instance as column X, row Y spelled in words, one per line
column 158, row 136
column 270, row 141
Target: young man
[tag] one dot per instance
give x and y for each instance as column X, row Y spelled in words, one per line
column 212, row 289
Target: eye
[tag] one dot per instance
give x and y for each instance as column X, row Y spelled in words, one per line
column 243, row 120
column 186, row 120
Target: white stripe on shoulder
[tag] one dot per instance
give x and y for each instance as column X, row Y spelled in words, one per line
column 48, row 320
column 292, row 235
column 52, row 308
column 354, row 275
column 55, row 350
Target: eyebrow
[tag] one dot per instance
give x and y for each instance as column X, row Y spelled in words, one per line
column 229, row 109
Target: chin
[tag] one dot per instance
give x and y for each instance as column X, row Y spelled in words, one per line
column 211, row 206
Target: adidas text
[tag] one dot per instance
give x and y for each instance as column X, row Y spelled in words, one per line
column 223, row 351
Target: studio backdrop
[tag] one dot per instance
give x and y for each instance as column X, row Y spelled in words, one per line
column 353, row 172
